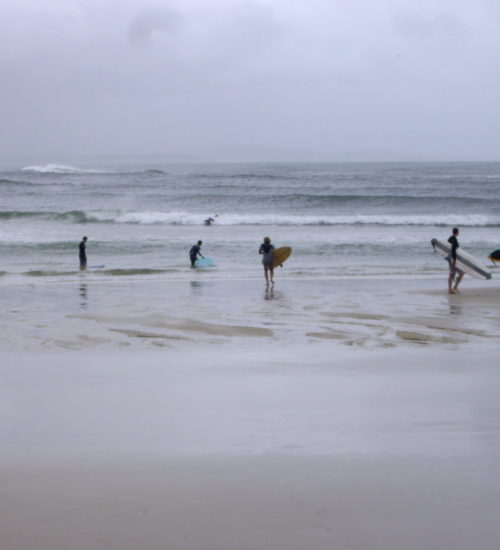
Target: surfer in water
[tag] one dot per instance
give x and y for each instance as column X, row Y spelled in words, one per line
column 209, row 220
column 195, row 252
column 455, row 273
column 266, row 249
column 82, row 254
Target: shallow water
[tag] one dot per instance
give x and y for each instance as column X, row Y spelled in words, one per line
column 360, row 272
column 341, row 219
column 93, row 312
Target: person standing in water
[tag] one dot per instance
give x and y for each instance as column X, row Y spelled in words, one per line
column 82, row 253
column 266, row 249
column 195, row 252
column 455, row 273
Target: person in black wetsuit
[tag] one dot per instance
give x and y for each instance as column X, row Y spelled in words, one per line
column 266, row 249
column 209, row 220
column 455, row 273
column 195, row 252
column 82, row 254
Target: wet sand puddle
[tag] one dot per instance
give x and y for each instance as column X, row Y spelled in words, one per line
column 178, row 316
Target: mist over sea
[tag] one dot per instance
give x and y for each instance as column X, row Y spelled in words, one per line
column 342, row 220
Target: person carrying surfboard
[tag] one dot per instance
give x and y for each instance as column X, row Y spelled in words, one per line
column 195, row 252
column 455, row 273
column 266, row 249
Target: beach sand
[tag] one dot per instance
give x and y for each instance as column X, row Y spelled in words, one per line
column 380, row 449
column 217, row 504
column 320, row 417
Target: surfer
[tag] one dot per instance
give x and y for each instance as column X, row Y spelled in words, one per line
column 454, row 271
column 82, row 254
column 209, row 220
column 266, row 249
column 195, row 252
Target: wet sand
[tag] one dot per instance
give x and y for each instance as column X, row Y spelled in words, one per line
column 263, row 503
column 148, row 313
column 216, row 417
column 384, row 449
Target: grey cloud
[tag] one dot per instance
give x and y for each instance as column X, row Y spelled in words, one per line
column 250, row 23
column 414, row 24
column 151, row 20
column 191, row 76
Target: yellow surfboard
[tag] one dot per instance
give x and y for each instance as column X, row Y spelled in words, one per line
column 280, row 255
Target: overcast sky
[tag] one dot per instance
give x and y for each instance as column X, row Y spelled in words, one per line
column 250, row 80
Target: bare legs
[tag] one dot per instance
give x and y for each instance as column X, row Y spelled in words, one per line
column 457, row 281
column 453, row 288
column 268, row 270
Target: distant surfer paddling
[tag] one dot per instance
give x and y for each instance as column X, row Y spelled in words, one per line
column 195, row 252
column 266, row 249
column 455, row 273
column 210, row 220
column 82, row 254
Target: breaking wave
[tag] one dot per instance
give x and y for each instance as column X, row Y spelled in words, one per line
column 59, row 169
column 189, row 218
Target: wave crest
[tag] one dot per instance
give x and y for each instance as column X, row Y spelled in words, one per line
column 59, row 169
column 189, row 218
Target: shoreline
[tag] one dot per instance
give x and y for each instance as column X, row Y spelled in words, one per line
column 96, row 314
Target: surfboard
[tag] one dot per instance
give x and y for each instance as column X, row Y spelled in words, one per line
column 465, row 262
column 204, row 262
column 280, row 255
column 495, row 256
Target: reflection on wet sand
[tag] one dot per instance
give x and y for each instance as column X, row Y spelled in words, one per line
column 269, row 293
column 83, row 295
column 196, row 288
column 455, row 309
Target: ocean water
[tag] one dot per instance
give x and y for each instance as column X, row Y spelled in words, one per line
column 342, row 220
column 362, row 273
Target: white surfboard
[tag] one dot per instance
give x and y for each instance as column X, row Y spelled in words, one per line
column 465, row 262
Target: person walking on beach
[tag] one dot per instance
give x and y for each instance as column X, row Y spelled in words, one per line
column 195, row 252
column 82, row 253
column 455, row 273
column 266, row 249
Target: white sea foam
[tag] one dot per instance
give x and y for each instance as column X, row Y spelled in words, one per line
column 189, row 218
column 58, row 169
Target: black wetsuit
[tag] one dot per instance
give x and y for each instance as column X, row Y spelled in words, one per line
column 193, row 253
column 82, row 254
column 454, row 245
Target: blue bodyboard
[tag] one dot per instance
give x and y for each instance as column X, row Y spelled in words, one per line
column 204, row 262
